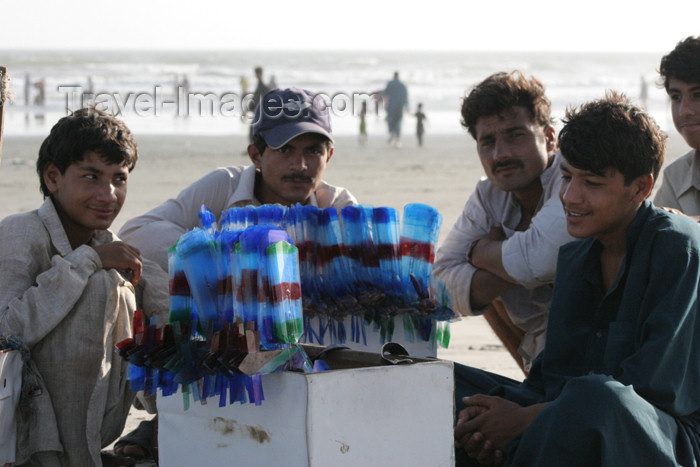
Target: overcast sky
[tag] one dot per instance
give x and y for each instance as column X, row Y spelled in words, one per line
column 485, row 25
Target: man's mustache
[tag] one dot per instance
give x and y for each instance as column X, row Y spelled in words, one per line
column 509, row 163
column 296, row 178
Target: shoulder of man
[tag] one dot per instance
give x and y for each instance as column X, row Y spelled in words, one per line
column 680, row 166
column 329, row 195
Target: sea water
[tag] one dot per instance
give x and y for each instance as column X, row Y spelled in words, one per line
column 128, row 79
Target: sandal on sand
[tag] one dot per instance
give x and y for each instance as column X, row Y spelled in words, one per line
column 113, row 460
column 141, row 443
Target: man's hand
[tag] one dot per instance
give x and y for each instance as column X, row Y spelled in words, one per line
column 121, row 256
column 496, row 233
column 676, row 211
column 489, row 423
column 473, row 442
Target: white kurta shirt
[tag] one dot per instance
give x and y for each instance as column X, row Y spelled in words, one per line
column 70, row 313
column 529, row 257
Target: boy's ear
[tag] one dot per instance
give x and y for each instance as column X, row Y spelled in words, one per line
column 643, row 185
column 52, row 177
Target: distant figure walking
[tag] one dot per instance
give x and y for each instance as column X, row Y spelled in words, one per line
column 244, row 85
column 396, row 96
column 260, row 90
column 185, row 84
column 420, row 123
column 644, row 93
column 363, row 124
column 27, row 90
column 40, row 98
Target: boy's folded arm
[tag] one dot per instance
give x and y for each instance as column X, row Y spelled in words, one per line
column 30, row 305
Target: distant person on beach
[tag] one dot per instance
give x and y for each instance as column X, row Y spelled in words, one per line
column 396, row 96
column 617, row 382
column 363, row 124
column 244, row 86
column 27, row 90
column 69, row 290
column 644, row 92
column 260, row 90
column 420, row 124
column 40, row 98
column 90, row 86
column 505, row 242
column 185, row 84
column 680, row 71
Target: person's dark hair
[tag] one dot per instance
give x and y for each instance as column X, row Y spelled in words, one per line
column 502, row 91
column 87, row 129
column 260, row 143
column 612, row 133
column 682, row 63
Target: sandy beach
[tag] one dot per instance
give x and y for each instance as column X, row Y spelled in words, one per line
column 443, row 173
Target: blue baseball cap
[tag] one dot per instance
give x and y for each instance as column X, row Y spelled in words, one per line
column 283, row 114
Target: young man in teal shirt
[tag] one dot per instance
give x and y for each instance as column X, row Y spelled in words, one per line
column 617, row 382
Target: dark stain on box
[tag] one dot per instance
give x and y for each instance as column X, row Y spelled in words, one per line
column 258, row 434
column 229, row 427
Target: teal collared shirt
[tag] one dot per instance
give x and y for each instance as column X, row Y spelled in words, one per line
column 644, row 331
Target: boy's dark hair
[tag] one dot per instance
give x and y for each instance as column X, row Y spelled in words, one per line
column 612, row 133
column 260, row 143
column 682, row 63
column 87, row 129
column 502, row 91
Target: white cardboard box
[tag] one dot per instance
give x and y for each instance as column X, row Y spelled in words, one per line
column 362, row 416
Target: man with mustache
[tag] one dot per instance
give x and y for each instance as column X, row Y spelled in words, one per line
column 680, row 70
column 292, row 145
column 505, row 242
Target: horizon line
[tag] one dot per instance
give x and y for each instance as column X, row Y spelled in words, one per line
column 317, row 50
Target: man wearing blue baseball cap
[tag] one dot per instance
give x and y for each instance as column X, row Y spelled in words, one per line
column 292, row 145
